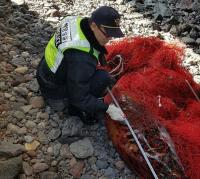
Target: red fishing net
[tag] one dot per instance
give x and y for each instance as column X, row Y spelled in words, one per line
column 158, row 97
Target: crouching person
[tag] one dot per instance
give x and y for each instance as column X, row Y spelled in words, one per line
column 67, row 73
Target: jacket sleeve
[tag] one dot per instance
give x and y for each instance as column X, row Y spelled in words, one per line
column 81, row 67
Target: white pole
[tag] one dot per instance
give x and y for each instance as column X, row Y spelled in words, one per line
column 134, row 136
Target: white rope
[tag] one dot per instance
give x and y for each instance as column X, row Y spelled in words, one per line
column 119, row 68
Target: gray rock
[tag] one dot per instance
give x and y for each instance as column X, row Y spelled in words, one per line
column 102, row 164
column 56, row 149
column 37, row 102
column 188, row 40
column 86, row 176
column 198, row 41
column 162, row 9
column 25, row 54
column 10, row 168
column 53, row 123
column 65, row 152
column 19, row 115
column 82, row 148
column 30, row 124
column 41, row 125
column 15, row 129
column 92, row 160
column 120, row 165
column 110, row 172
column 3, row 86
column 185, row 4
column 26, row 108
column 27, row 169
column 49, row 175
column 7, row 47
column 94, row 167
column 28, row 138
column 17, row 60
column 54, row 134
column 50, row 150
column 12, row 53
column 8, row 149
column 33, row 85
column 39, row 167
column 21, row 91
column 42, row 137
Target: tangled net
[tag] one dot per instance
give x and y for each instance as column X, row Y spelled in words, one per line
column 160, row 100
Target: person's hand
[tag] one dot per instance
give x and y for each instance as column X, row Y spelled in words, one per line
column 115, row 113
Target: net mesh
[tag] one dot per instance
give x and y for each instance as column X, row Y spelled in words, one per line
column 153, row 92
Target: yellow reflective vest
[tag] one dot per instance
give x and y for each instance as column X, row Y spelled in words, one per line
column 68, row 36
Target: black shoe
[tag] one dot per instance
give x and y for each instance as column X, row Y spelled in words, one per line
column 86, row 118
column 57, row 105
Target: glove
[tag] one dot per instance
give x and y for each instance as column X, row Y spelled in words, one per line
column 115, row 113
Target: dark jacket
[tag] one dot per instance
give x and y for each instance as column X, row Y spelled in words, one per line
column 74, row 74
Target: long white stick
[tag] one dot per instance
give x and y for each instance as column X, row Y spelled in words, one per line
column 195, row 94
column 134, row 136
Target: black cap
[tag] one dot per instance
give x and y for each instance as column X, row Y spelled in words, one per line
column 108, row 18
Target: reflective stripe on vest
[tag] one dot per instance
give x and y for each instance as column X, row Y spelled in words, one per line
column 68, row 36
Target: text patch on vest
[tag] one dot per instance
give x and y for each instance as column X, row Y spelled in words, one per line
column 63, row 34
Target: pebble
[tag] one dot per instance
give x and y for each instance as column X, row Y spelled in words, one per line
column 82, row 148
column 28, row 139
column 102, row 164
column 49, row 175
column 120, row 165
column 56, row 149
column 21, row 91
column 21, row 70
column 32, row 146
column 41, row 125
column 77, row 169
column 27, row 169
column 26, row 108
column 8, row 149
column 37, row 102
column 30, row 124
column 42, row 137
column 19, row 115
column 39, row 167
column 65, row 152
column 54, row 134
column 50, row 150
column 16, row 130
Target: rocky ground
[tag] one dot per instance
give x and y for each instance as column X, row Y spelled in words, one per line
column 35, row 141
